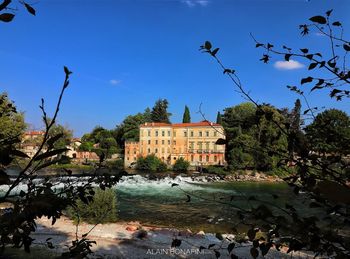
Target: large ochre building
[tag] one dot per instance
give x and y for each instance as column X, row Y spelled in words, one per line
column 195, row 142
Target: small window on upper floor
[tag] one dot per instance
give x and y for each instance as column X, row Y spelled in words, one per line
column 191, row 133
column 207, row 133
column 168, row 133
column 149, row 142
column 156, row 133
column 185, row 133
column 200, row 134
column 215, row 133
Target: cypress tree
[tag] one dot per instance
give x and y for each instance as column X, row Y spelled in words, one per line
column 219, row 118
column 187, row 116
column 159, row 111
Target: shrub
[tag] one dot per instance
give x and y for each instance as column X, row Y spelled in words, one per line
column 102, row 209
column 117, row 164
column 150, row 163
column 181, row 165
column 219, row 170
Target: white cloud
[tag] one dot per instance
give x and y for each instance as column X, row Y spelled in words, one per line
column 193, row 3
column 320, row 34
column 288, row 65
column 114, row 81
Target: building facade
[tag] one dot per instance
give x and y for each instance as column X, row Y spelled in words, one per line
column 195, row 142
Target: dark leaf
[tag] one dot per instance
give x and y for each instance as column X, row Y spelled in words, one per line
column 230, row 247
column 336, row 23
column 346, row 47
column 318, row 19
column 328, row 13
column 334, row 92
column 50, row 153
column 176, row 243
column 30, row 9
column 207, row 45
column 51, row 141
column 304, row 50
column 287, row 57
column 6, row 17
column 66, row 71
column 269, row 46
column 213, row 53
column 259, row 45
column 18, row 153
column 4, row 178
column 306, row 80
column 309, row 56
column 254, row 252
column 312, row 65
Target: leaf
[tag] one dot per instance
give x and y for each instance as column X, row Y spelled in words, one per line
column 305, row 51
column 4, row 178
column 336, row 24
column 334, row 92
column 251, row 234
column 84, row 235
column 176, row 243
column 328, row 13
column 51, row 153
column 207, row 45
column 210, row 246
column 230, row 247
column 287, row 57
column 306, row 80
column 229, row 71
column 318, row 19
column 313, row 65
column 30, row 9
column 6, row 17
column 219, row 236
column 18, row 153
column 51, row 141
column 254, row 252
column 66, row 71
column 259, row 45
column 213, row 53
column 346, row 47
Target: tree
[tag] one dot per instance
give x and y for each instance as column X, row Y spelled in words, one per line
column 330, row 132
column 181, row 165
column 65, row 135
column 187, row 116
column 12, row 123
column 160, row 111
column 219, row 118
column 322, row 178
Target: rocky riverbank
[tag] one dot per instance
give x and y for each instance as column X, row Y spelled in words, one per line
column 132, row 240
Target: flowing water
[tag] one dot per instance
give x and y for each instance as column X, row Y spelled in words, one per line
column 209, row 207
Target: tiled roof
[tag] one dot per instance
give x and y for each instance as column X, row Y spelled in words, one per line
column 155, row 124
column 34, row 133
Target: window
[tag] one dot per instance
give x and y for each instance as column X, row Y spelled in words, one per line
column 168, row 133
column 200, row 158
column 215, row 133
column 163, row 133
column 168, row 150
column 191, row 158
column 185, row 133
column 149, row 151
column 134, row 151
column 200, row 133
column 134, row 158
column 207, row 158
column 207, row 146
column 163, row 142
column 149, row 142
column 200, row 146
column 128, row 152
column 169, row 142
column 191, row 145
column 191, row 133
column 156, row 133
column 156, row 142
column 174, row 133
column 156, row 150
column 163, row 151
column 215, row 158
column 174, row 142
column 207, row 133
column 149, row 133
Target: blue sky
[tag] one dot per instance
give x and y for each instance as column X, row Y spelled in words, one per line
column 127, row 54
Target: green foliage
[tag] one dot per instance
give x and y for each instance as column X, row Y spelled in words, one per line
column 65, row 135
column 160, row 111
column 102, row 209
column 187, row 116
column 150, row 163
column 218, row 170
column 181, row 165
column 330, row 132
column 117, row 164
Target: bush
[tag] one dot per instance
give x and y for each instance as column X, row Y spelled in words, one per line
column 181, row 165
column 102, row 209
column 150, row 163
column 116, row 164
column 219, row 170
